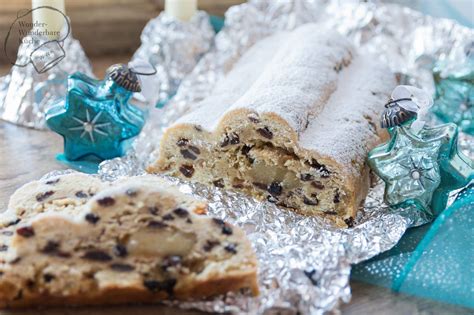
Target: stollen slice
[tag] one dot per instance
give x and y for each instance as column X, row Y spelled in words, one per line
column 131, row 242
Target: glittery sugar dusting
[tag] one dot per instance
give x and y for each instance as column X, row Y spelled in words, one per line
column 304, row 263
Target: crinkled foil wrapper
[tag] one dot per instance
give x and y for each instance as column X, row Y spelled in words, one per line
column 173, row 47
column 304, row 263
column 26, row 95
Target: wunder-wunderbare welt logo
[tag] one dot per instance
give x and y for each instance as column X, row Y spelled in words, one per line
column 40, row 35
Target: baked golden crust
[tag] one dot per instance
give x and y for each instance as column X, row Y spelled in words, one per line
column 116, row 296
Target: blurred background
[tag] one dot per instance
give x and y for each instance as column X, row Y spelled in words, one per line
column 109, row 30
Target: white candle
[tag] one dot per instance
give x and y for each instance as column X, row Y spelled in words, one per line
column 47, row 21
column 181, row 9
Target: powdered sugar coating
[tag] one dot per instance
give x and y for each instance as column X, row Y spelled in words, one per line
column 300, row 77
column 312, row 79
column 346, row 129
column 240, row 79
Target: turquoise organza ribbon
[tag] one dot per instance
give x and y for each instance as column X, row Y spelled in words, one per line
column 434, row 261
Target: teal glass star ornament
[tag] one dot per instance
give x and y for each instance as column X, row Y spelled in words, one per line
column 420, row 165
column 454, row 97
column 96, row 119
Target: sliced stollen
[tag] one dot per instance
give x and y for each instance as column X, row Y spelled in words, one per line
column 65, row 193
column 140, row 240
column 291, row 123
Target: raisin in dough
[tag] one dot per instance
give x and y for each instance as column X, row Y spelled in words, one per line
column 63, row 193
column 130, row 243
column 59, row 193
column 291, row 123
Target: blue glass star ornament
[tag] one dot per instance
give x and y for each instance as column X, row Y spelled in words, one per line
column 96, row 118
column 420, row 165
column 454, row 98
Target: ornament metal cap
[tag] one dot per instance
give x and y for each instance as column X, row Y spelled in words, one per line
column 124, row 77
column 406, row 103
column 395, row 115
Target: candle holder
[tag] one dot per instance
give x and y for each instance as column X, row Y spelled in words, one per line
column 38, row 77
column 173, row 47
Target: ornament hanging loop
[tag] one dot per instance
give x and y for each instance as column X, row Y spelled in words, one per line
column 391, row 101
column 146, row 74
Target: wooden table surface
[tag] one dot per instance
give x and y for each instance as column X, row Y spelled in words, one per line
column 27, row 154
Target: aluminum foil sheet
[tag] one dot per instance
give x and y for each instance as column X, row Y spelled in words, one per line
column 173, row 47
column 30, row 89
column 304, row 263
